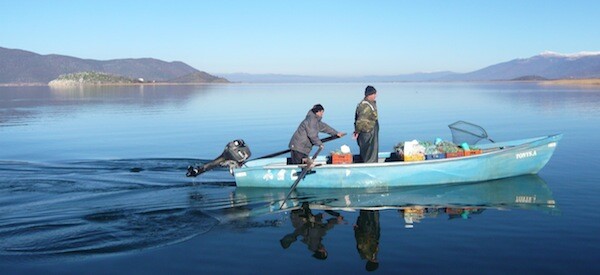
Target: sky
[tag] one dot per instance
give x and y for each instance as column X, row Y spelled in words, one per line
column 317, row 38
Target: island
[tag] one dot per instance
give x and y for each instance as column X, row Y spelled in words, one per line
column 89, row 78
column 102, row 79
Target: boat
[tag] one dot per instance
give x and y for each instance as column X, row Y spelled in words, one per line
column 497, row 160
column 493, row 160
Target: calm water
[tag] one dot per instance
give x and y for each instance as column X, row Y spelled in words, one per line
column 92, row 182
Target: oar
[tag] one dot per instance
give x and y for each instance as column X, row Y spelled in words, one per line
column 330, row 138
column 308, row 167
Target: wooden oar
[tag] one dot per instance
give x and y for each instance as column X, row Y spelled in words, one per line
column 308, row 167
column 330, row 138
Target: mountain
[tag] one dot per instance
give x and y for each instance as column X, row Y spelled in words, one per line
column 547, row 65
column 274, row 78
column 18, row 66
column 415, row 77
column 282, row 78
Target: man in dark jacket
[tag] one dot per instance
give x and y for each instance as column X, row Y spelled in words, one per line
column 366, row 126
column 307, row 134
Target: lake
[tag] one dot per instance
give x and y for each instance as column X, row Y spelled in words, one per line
column 92, row 181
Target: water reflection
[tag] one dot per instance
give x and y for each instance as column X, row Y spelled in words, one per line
column 415, row 214
column 582, row 100
column 366, row 233
column 311, row 228
column 413, row 204
column 22, row 105
column 524, row 192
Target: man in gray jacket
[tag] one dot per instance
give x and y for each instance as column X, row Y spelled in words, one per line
column 307, row 134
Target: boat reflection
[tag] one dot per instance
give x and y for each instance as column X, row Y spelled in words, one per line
column 413, row 203
column 314, row 212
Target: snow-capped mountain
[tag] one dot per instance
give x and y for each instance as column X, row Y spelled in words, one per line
column 548, row 65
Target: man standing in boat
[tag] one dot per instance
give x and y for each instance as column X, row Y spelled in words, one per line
column 366, row 126
column 307, row 134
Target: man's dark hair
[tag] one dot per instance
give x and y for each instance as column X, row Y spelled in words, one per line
column 317, row 108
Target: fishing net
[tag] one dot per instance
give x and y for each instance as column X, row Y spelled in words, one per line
column 470, row 133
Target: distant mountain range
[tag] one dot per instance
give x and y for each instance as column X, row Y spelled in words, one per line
column 547, row 65
column 282, row 78
column 18, row 66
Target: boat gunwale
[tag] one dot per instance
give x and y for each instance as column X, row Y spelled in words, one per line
column 324, row 165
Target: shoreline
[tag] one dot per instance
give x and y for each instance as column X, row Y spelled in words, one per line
column 555, row 82
column 105, row 84
column 573, row 82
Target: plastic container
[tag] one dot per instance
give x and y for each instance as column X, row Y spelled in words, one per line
column 472, row 152
column 455, row 154
column 435, row 156
column 417, row 157
column 341, row 158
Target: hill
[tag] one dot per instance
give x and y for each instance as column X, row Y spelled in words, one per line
column 199, row 77
column 18, row 66
column 529, row 78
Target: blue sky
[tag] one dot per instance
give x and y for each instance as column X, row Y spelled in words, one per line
column 330, row 38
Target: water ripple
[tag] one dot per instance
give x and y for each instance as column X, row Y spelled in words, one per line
column 97, row 207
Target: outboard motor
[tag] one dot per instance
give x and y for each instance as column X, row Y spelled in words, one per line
column 234, row 155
